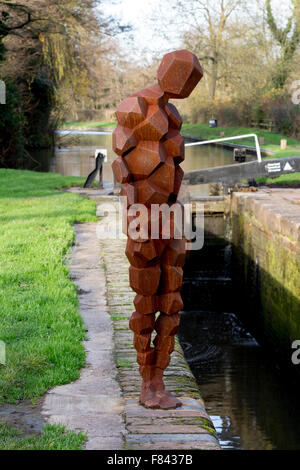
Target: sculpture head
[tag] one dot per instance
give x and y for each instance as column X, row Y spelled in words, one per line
column 179, row 73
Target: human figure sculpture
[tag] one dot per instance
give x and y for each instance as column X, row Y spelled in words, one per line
column 150, row 149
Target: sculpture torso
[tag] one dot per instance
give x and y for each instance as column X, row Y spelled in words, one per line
column 148, row 139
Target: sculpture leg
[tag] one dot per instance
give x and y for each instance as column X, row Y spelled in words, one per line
column 143, row 325
column 157, row 288
column 144, row 280
column 166, row 326
column 169, row 303
column 154, row 360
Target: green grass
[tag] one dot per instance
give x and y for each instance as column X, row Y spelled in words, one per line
column 118, row 317
column 292, row 179
column 88, row 124
column 272, row 140
column 124, row 363
column 40, row 322
column 53, row 437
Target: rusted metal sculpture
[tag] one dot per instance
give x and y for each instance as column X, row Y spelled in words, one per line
column 150, row 149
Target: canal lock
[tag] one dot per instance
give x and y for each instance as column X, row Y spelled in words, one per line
column 241, row 382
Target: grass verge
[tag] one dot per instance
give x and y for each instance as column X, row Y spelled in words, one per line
column 40, row 324
column 88, row 125
column 53, row 437
column 289, row 180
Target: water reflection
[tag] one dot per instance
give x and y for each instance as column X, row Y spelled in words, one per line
column 252, row 405
column 206, row 156
column 78, row 158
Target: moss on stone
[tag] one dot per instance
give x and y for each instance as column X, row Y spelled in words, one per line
column 269, row 267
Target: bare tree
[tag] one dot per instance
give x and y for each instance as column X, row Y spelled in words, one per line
column 208, row 33
column 288, row 40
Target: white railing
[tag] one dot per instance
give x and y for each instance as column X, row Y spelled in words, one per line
column 223, row 139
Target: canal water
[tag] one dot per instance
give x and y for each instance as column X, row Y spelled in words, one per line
column 74, row 155
column 253, row 401
column 253, row 406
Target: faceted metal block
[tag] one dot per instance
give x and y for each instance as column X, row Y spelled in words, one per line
column 179, row 73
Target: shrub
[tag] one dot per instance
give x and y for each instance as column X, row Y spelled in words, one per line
column 12, row 122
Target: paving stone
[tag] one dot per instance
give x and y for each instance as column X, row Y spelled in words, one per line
column 182, row 420
column 60, row 404
column 188, row 404
column 160, row 414
column 176, row 446
column 166, row 429
column 99, row 341
column 171, row 439
column 100, row 426
column 102, row 358
column 278, row 210
column 107, row 443
column 91, row 386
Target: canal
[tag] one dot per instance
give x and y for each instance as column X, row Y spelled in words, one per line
column 74, row 155
column 252, row 403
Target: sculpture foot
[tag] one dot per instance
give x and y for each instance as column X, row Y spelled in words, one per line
column 149, row 399
column 159, row 399
column 169, row 402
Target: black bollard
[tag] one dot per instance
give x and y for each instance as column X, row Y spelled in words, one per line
column 99, row 168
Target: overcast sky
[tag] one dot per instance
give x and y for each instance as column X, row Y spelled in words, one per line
column 140, row 14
